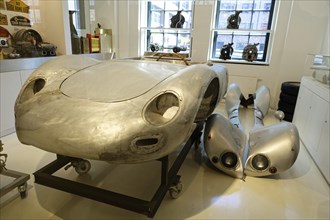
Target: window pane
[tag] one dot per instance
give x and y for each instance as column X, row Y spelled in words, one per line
column 184, row 41
column 228, row 4
column 260, row 20
column 244, row 5
column 170, row 40
column 246, row 17
column 171, row 5
column 157, row 5
column 263, row 4
column 156, row 38
column 187, row 16
column 156, row 19
column 240, row 41
column 185, row 5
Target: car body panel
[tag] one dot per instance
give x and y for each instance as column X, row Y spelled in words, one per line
column 221, row 137
column 120, row 128
column 139, row 77
column 267, row 150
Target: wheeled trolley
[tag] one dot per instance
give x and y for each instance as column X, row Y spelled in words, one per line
column 170, row 181
column 20, row 182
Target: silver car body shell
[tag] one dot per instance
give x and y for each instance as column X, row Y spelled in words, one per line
column 279, row 142
column 97, row 110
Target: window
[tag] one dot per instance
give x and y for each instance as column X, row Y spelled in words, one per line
column 79, row 16
column 255, row 28
column 158, row 31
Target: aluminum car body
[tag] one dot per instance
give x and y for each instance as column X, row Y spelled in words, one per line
column 268, row 150
column 120, row 111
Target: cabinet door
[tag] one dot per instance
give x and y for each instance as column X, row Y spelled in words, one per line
column 10, row 87
column 322, row 151
column 314, row 123
column 302, row 109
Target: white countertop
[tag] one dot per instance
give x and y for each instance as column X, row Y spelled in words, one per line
column 9, row 65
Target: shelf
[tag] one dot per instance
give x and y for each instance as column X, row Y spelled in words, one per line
column 320, row 67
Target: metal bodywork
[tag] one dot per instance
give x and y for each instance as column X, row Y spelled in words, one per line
column 279, row 143
column 121, row 111
column 221, row 137
column 269, row 149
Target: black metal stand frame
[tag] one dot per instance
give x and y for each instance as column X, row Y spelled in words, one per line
column 169, row 178
column 20, row 182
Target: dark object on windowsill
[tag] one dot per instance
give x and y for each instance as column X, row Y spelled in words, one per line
column 177, row 20
column 250, row 52
column 179, row 49
column 154, row 47
column 226, row 51
column 234, row 20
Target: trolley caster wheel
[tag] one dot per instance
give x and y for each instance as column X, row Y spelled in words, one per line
column 82, row 167
column 22, row 190
column 175, row 191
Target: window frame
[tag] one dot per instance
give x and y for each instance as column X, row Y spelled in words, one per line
column 267, row 33
column 146, row 30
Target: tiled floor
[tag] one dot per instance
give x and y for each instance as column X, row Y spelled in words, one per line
column 299, row 193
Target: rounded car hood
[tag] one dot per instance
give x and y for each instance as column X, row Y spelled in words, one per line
column 115, row 81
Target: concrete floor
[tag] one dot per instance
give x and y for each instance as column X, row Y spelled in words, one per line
column 299, row 193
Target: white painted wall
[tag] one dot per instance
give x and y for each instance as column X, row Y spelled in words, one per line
column 53, row 23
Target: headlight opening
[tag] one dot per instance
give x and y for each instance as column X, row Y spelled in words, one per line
column 34, row 87
column 162, row 109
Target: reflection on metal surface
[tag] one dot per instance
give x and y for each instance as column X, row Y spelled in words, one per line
column 223, row 139
column 122, row 111
column 269, row 150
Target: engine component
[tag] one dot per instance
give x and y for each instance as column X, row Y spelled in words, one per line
column 154, row 47
column 226, row 51
column 250, row 52
column 234, row 20
column 178, row 20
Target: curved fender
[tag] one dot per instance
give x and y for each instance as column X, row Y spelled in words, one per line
column 224, row 144
column 273, row 149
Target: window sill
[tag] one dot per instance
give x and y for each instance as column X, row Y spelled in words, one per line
column 244, row 62
column 169, row 55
